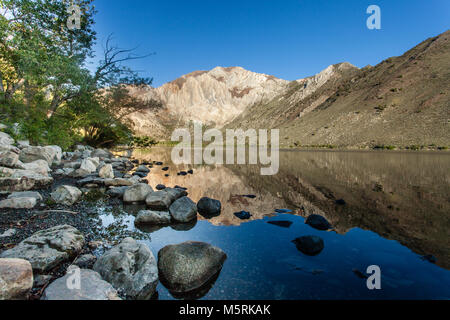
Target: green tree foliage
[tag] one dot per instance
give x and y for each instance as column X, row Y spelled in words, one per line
column 45, row 85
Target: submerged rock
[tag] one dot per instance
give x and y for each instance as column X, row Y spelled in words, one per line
column 183, row 210
column 190, row 265
column 47, row 249
column 282, row 224
column 209, row 208
column 91, row 286
column 318, row 222
column 66, row 195
column 309, row 245
column 243, row 215
column 137, row 193
column 130, row 267
column 16, row 279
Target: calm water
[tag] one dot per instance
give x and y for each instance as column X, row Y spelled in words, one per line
column 397, row 210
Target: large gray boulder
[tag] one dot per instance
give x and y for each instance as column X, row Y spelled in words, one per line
column 189, row 266
column 18, row 203
column 183, row 210
column 137, row 193
column 8, row 159
column 16, row 279
column 130, row 267
column 116, row 192
column 159, row 200
column 47, row 249
column 66, row 195
column 31, row 154
column 150, row 217
column 88, row 286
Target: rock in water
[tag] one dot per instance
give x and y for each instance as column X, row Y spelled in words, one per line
column 16, row 279
column 137, row 193
column 243, row 215
column 160, row 200
column 130, row 267
column 209, row 208
column 91, row 286
column 190, row 265
column 116, row 192
column 47, row 249
column 149, row 217
column 318, row 222
column 143, row 169
column 106, row 172
column 160, row 187
column 309, row 245
column 183, row 210
column 66, row 195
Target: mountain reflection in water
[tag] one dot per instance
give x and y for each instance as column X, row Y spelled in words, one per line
column 368, row 197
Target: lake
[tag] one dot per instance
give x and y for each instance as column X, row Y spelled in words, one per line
column 387, row 208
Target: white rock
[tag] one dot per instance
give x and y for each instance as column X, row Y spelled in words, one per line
column 8, row 159
column 38, row 166
column 106, row 172
column 6, row 138
column 66, row 195
column 88, row 166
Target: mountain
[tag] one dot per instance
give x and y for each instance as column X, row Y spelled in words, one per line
column 212, row 97
column 403, row 101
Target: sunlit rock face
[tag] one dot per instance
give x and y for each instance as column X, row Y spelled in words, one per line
column 212, row 97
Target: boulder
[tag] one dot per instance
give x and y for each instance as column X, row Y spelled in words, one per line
column 309, row 245
column 189, row 266
column 85, row 261
column 91, row 286
column 137, row 193
column 117, row 192
column 89, row 166
column 56, row 151
column 143, row 169
column 16, row 279
column 24, row 182
column 39, row 166
column 150, row 217
column 31, row 154
column 118, row 182
column 106, row 172
column 183, row 210
column 22, row 144
column 66, row 195
column 8, row 159
column 209, row 208
column 130, row 267
column 47, row 249
column 318, row 222
column 102, row 154
column 159, row 200
column 18, row 203
column 5, row 139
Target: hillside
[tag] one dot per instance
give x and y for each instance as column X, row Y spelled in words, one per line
column 403, row 101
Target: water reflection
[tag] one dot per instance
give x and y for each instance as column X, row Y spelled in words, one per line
column 369, row 198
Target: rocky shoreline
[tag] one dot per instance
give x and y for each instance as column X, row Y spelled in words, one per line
column 49, row 245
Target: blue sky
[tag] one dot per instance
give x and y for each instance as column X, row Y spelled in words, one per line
column 290, row 39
